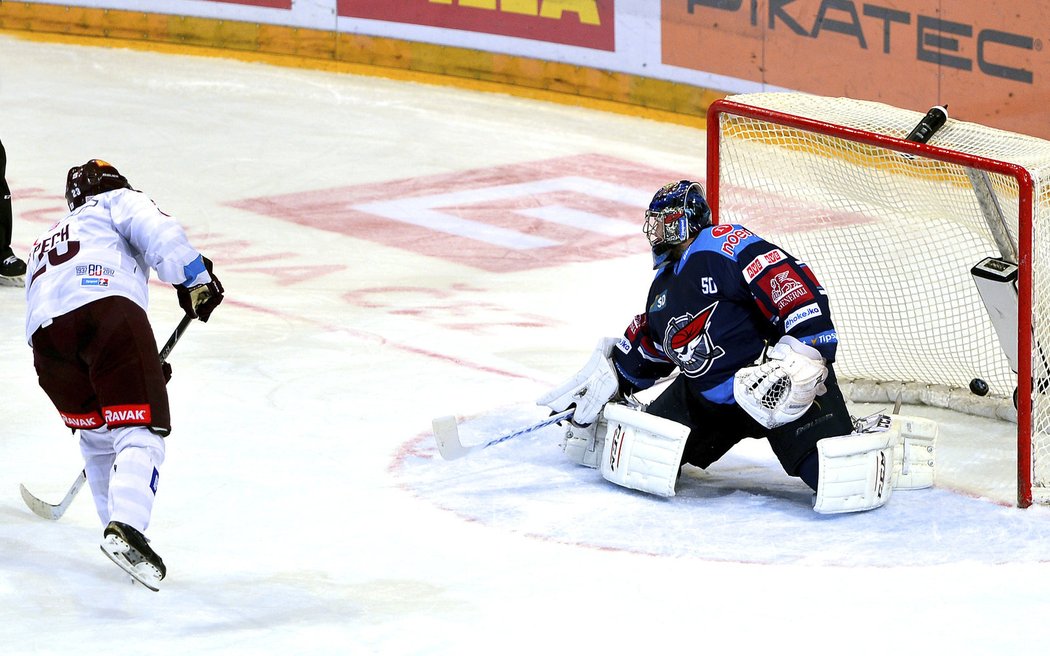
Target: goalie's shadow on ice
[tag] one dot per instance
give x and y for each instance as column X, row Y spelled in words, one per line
column 759, row 481
column 734, row 510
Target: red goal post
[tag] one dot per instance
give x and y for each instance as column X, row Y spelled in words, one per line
column 893, row 228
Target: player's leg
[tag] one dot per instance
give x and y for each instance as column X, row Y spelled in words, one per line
column 122, row 467
column 795, row 443
column 133, row 484
column 6, row 221
column 854, row 469
column 65, row 379
column 116, row 343
column 714, row 428
column 124, row 367
column 132, row 490
column 126, row 373
column 12, row 269
column 645, row 450
column 96, row 446
column 642, row 451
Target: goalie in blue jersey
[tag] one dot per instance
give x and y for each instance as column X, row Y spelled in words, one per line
column 748, row 329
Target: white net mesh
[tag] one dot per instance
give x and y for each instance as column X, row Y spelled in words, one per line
column 893, row 238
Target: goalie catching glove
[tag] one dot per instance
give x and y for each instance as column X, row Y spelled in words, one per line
column 590, row 389
column 200, row 296
column 780, row 390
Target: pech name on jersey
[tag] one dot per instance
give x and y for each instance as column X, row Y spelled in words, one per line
column 41, row 247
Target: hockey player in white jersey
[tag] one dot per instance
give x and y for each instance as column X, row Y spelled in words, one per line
column 94, row 350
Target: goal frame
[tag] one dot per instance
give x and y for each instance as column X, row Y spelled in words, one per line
column 1025, row 185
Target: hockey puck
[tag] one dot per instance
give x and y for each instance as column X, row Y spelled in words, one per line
column 978, row 387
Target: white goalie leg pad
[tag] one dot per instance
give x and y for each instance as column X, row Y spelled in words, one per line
column 913, row 458
column 642, row 451
column 856, row 471
column 915, row 454
column 584, row 444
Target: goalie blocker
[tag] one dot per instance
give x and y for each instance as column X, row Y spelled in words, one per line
column 858, row 471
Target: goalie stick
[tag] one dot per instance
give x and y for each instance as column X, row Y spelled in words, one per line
column 446, row 434
column 54, row 511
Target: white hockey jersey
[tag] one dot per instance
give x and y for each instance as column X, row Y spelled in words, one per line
column 106, row 247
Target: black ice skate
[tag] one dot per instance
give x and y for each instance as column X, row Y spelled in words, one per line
column 130, row 550
column 12, row 272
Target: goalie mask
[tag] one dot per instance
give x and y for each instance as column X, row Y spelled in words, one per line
column 93, row 177
column 677, row 212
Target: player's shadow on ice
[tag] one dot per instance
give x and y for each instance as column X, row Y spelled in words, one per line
column 758, row 481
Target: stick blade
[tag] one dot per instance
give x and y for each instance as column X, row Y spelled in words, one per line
column 446, row 434
column 52, row 511
column 39, row 507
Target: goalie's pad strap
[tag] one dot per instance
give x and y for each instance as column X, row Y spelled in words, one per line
column 914, row 457
column 584, row 444
column 856, row 471
column 642, row 451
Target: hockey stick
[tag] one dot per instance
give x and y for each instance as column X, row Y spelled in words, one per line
column 446, row 434
column 184, row 323
column 54, row 511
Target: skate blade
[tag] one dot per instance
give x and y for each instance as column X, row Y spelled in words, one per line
column 145, row 573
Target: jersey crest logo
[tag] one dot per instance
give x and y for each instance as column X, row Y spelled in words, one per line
column 785, row 288
column 689, row 344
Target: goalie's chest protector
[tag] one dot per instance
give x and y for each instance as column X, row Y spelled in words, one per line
column 702, row 315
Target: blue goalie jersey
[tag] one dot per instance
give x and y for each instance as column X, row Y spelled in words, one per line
column 713, row 312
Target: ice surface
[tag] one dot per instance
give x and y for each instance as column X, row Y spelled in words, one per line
column 303, row 508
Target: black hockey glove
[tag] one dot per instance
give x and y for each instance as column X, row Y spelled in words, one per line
column 200, row 300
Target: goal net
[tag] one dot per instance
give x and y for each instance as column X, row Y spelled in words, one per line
column 894, row 230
